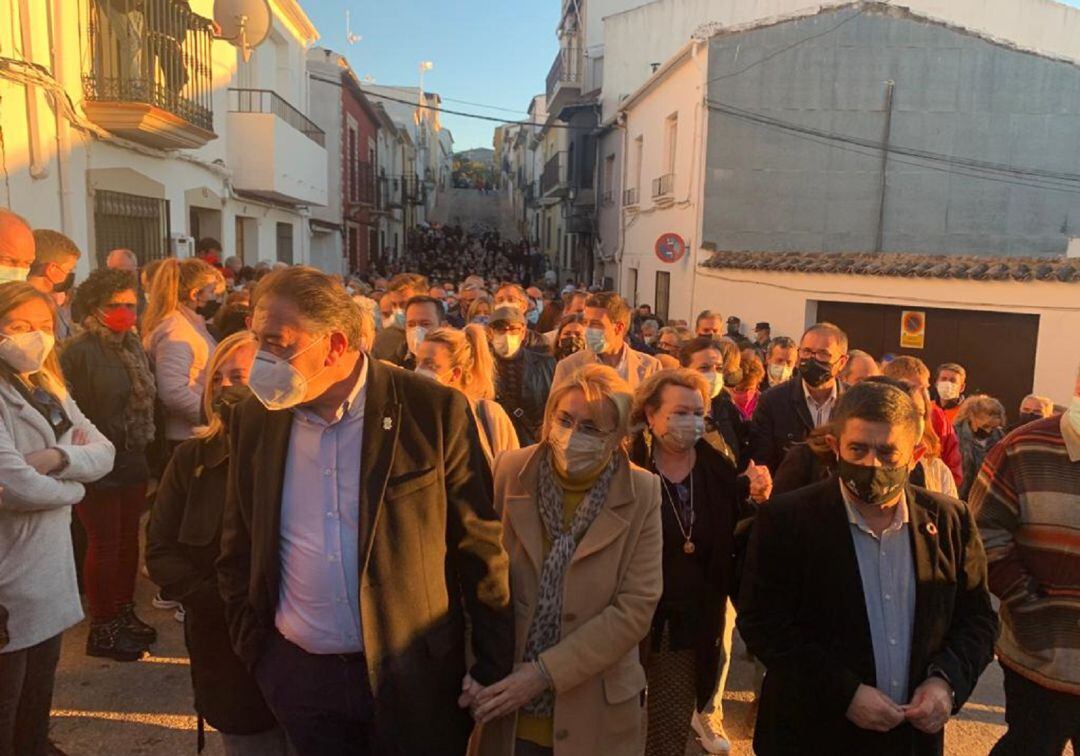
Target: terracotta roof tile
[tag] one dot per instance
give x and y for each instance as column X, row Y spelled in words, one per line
column 976, row 268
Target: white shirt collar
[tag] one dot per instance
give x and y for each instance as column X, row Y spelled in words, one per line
column 810, row 398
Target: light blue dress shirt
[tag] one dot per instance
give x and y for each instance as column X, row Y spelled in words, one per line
column 887, row 571
column 318, row 604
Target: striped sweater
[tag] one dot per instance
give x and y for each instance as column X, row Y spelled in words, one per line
column 1027, row 503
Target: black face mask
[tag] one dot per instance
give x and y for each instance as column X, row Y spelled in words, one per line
column 226, row 399
column 568, row 345
column 1028, row 417
column 209, row 309
column 815, row 372
column 66, row 284
column 872, row 485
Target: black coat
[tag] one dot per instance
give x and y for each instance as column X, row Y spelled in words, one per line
column 390, row 345
column 182, row 544
column 526, row 410
column 732, row 427
column 781, row 420
column 802, row 612
column 727, row 506
column 430, row 548
column 100, row 385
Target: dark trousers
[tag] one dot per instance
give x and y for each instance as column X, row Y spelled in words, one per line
column 1041, row 721
column 110, row 517
column 26, row 689
column 322, row 701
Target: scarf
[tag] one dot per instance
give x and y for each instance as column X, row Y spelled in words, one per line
column 139, row 410
column 544, row 632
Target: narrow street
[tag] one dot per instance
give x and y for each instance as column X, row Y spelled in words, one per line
column 463, row 207
column 105, row 708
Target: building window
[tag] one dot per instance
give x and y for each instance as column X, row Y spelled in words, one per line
column 285, row 243
column 671, row 139
column 353, row 159
column 608, row 187
column 128, row 221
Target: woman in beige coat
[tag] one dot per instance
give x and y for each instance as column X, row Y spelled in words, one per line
column 581, row 525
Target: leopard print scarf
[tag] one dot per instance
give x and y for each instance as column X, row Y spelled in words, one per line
column 544, row 632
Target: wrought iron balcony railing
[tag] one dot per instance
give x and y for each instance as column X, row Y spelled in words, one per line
column 269, row 101
column 663, row 186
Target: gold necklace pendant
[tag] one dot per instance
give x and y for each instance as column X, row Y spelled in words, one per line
column 688, row 547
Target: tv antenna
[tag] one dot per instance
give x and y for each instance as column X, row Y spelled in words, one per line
column 350, row 36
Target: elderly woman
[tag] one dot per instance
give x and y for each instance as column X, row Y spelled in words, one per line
column 581, row 525
column 1033, row 407
column 980, row 424
column 703, row 502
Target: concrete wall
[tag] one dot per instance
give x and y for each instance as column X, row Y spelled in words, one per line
column 788, row 301
column 269, row 155
column 954, row 94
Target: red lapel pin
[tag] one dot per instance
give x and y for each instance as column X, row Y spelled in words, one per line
column 930, row 528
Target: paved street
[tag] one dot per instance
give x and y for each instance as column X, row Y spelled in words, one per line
column 104, row 708
column 462, row 207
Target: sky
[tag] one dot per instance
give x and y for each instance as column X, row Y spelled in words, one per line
column 484, row 51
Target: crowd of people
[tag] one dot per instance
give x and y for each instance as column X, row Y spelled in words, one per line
column 437, row 512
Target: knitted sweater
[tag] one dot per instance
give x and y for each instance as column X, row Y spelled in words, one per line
column 1027, row 503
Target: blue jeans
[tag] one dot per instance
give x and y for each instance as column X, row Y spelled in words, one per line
column 26, row 689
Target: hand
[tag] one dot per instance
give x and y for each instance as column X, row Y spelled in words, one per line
column 931, row 706
column 80, row 437
column 871, row 709
column 45, row 461
column 470, row 688
column 509, row 694
column 760, row 482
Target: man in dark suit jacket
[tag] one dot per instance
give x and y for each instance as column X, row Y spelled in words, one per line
column 787, row 413
column 866, row 598
column 358, row 524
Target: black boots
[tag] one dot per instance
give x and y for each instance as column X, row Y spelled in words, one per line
column 135, row 627
column 111, row 640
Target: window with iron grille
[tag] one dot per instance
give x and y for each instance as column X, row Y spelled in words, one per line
column 128, row 221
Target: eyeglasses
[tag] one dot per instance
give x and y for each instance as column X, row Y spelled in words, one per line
column 822, row 355
column 588, row 427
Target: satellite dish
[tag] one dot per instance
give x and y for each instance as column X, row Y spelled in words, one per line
column 244, row 23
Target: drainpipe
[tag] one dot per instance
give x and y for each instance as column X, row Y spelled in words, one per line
column 879, row 243
column 63, row 129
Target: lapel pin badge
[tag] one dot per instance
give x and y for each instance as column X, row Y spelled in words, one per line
column 387, row 423
column 930, row 528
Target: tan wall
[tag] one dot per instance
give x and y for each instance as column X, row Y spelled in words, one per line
column 789, row 302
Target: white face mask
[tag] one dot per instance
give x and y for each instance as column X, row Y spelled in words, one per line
column 414, row 337
column 948, row 391
column 506, row 345
column 683, row 431
column 11, row 273
column 715, row 381
column 779, row 373
column 276, row 383
column 574, row 452
column 1074, row 413
column 26, row 352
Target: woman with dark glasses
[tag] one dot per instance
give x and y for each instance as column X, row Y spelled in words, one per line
column 110, row 377
column 48, row 450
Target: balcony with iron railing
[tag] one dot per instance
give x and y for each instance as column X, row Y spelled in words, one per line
column 663, row 186
column 607, row 198
column 554, row 181
column 564, row 77
column 413, row 190
column 630, row 197
column 269, row 101
column 275, row 151
column 389, row 193
column 149, row 75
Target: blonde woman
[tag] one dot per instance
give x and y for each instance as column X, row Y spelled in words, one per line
column 177, row 341
column 462, row 360
column 582, row 528
column 480, row 310
column 183, row 543
column 48, row 451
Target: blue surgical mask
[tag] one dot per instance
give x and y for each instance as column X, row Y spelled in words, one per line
column 399, row 318
column 532, row 317
column 596, row 340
